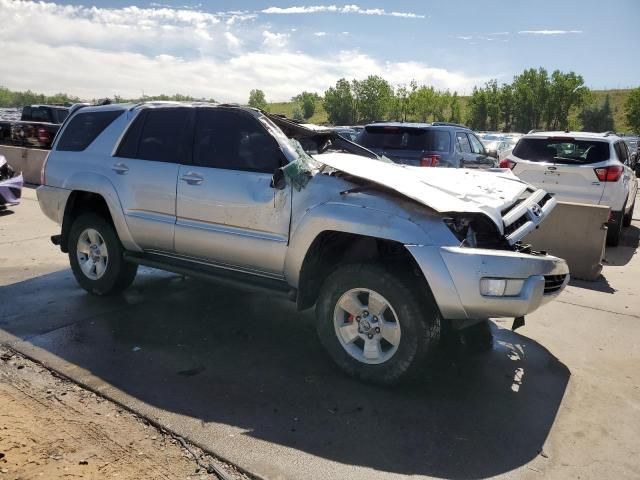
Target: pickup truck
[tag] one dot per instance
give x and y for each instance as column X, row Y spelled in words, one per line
column 38, row 125
column 390, row 255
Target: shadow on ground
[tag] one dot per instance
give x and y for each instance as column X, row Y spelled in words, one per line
column 251, row 361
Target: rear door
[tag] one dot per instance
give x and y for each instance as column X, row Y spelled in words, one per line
column 144, row 171
column 227, row 211
column 563, row 166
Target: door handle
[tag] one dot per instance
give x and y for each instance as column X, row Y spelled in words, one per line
column 120, row 168
column 192, row 178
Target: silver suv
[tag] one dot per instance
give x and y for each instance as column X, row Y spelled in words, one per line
column 390, row 255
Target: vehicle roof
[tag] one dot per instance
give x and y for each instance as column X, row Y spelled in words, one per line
column 163, row 104
column 37, row 105
column 608, row 136
column 417, row 125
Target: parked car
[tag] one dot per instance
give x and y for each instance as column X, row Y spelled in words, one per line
column 506, row 147
column 7, row 117
column 634, row 147
column 390, row 255
column 38, row 125
column 437, row 144
column 346, row 132
column 581, row 167
column 10, row 185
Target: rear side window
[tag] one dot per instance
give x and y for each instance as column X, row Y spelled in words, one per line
column 562, row 150
column 463, row 142
column 84, row 128
column 155, row 135
column 401, row 138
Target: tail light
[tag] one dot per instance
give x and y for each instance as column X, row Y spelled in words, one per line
column 44, row 136
column 506, row 163
column 611, row 173
column 430, row 161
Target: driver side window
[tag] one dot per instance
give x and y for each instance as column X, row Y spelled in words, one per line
column 476, row 146
column 232, row 140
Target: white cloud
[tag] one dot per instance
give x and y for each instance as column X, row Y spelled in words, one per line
column 548, row 32
column 274, row 40
column 320, row 34
column 126, row 51
column 335, row 9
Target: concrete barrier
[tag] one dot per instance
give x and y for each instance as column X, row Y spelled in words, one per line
column 29, row 161
column 577, row 233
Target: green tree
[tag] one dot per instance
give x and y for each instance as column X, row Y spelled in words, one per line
column 257, row 99
column 566, row 91
column 492, row 95
column 632, row 110
column 307, row 102
column 530, row 97
column 424, row 100
column 506, row 105
column 477, row 109
column 372, row 98
column 339, row 103
column 595, row 118
column 455, row 115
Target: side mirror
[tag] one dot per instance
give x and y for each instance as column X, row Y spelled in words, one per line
column 277, row 180
column 492, row 153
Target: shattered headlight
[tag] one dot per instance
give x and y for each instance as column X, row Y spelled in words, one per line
column 461, row 228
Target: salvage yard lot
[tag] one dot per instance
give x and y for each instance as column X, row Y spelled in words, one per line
column 243, row 376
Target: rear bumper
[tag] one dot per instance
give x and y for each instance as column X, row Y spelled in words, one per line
column 454, row 275
column 53, row 201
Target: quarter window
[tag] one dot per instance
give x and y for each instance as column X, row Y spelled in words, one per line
column 84, row 128
column 230, row 140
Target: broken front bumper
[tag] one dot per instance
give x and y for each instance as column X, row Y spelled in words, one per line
column 455, row 275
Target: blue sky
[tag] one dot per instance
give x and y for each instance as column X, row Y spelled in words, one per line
column 223, row 49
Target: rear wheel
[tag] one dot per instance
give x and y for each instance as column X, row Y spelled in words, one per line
column 95, row 254
column 615, row 229
column 374, row 326
column 629, row 216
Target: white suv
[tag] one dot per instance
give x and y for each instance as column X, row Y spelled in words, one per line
column 580, row 167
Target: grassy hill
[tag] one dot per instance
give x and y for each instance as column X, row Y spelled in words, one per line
column 616, row 97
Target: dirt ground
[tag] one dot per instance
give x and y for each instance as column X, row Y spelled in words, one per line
column 51, row 428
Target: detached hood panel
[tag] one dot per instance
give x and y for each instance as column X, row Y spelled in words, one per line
column 442, row 189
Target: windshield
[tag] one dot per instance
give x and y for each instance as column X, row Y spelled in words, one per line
column 562, row 150
column 398, row 138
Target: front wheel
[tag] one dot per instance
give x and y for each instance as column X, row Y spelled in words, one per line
column 614, row 231
column 95, row 254
column 374, row 325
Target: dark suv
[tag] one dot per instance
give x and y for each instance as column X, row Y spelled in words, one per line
column 437, row 144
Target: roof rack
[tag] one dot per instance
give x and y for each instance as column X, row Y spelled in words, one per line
column 609, row 133
column 448, row 124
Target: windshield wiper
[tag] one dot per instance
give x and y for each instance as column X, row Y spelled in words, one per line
column 573, row 160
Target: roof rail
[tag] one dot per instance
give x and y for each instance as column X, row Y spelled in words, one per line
column 609, row 133
column 448, row 124
column 533, row 130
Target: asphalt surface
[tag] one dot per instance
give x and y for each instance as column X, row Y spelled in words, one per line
column 244, row 376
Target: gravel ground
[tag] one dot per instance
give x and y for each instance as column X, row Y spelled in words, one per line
column 51, row 428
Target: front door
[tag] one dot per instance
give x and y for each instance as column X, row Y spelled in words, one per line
column 227, row 211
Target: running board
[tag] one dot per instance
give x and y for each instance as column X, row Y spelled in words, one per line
column 224, row 276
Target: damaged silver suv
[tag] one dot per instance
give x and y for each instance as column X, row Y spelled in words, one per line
column 389, row 254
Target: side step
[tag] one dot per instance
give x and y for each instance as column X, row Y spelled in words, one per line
column 220, row 275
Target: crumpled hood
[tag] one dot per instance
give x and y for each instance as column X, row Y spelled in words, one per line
column 442, row 189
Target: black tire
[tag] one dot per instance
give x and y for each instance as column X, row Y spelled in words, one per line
column 417, row 316
column 118, row 274
column 615, row 229
column 628, row 217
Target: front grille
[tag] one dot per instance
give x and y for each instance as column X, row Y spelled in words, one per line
column 543, row 201
column 509, row 229
column 553, row 283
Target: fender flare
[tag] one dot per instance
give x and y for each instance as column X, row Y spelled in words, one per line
column 345, row 218
column 101, row 185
